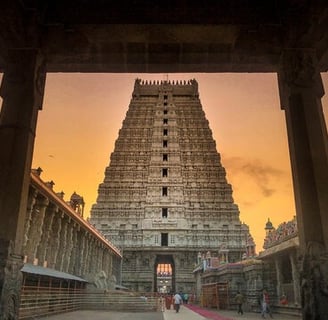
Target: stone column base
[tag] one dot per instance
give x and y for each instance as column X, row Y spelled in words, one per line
column 10, row 280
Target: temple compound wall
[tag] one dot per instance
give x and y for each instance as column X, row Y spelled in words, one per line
column 165, row 199
column 57, row 238
column 276, row 269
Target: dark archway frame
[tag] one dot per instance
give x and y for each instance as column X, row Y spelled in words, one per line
column 286, row 37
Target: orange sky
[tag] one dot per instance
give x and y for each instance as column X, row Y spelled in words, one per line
column 82, row 114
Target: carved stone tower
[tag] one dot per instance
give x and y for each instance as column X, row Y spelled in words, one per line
column 165, row 200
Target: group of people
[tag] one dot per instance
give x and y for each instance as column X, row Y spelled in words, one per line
column 176, row 299
column 263, row 301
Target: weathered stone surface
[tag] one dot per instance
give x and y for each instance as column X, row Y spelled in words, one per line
column 165, row 191
column 10, row 280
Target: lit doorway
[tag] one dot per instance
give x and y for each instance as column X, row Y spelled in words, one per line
column 164, row 275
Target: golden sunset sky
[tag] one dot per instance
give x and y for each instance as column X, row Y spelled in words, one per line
column 82, row 114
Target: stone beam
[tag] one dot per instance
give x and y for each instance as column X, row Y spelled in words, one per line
column 228, row 36
column 162, row 48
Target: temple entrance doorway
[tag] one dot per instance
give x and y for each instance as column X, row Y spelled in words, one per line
column 164, row 274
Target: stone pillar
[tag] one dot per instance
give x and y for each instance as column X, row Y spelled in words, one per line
column 69, row 246
column 301, row 89
column 277, row 263
column 100, row 257
column 86, row 254
column 75, row 255
column 296, row 278
column 22, row 90
column 106, row 262
column 33, row 193
column 36, row 228
column 110, row 264
column 46, row 233
column 96, row 257
column 53, row 250
column 93, row 257
column 63, row 244
column 82, row 253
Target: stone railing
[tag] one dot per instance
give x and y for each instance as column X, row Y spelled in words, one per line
column 37, row 302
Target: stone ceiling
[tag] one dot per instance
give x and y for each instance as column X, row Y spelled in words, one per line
column 175, row 36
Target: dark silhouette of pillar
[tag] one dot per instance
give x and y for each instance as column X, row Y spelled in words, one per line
column 301, row 91
column 22, row 91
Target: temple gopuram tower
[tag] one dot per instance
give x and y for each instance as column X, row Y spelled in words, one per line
column 165, row 201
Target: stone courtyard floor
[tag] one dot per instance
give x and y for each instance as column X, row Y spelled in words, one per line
column 184, row 314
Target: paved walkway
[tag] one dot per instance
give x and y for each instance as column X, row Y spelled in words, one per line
column 184, row 314
column 105, row 315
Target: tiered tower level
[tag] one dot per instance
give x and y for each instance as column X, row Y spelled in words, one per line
column 165, row 198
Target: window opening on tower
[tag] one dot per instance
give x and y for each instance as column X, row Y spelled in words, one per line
column 164, row 212
column 164, row 239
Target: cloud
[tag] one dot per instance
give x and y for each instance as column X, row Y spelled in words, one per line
column 248, row 203
column 260, row 173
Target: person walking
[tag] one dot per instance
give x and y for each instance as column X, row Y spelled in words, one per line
column 177, row 301
column 265, row 304
column 239, row 298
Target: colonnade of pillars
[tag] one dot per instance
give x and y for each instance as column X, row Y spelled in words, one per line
column 295, row 278
column 53, row 239
column 300, row 90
